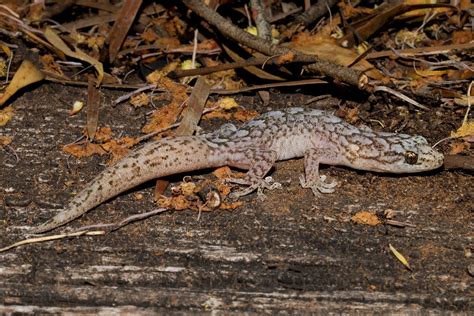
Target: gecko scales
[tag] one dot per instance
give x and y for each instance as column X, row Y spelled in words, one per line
column 318, row 136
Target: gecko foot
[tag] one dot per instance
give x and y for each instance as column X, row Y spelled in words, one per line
column 267, row 183
column 319, row 186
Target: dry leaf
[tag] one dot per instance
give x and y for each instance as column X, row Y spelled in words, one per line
column 118, row 148
column 5, row 115
column 55, row 40
column 328, row 49
column 139, row 100
column 191, row 115
column 125, row 17
column 162, row 118
column 400, row 257
column 288, row 57
column 76, row 107
column 50, row 65
column 230, row 206
column 84, row 150
column 458, row 147
column 466, row 130
column 103, row 134
column 5, row 140
column 227, row 103
column 93, row 104
column 239, row 114
column 188, row 188
column 178, row 203
column 366, row 218
column 422, row 12
column 222, row 172
column 24, row 76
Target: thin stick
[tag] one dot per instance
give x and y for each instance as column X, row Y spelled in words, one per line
column 52, row 237
column 401, row 96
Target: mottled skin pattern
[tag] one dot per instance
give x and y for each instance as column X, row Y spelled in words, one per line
column 318, row 136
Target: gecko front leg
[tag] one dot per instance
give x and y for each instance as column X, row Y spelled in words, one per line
column 312, row 158
column 258, row 162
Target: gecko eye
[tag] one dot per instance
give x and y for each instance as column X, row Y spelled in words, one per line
column 411, row 157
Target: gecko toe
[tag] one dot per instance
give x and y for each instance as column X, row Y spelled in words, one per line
column 268, row 183
column 319, row 186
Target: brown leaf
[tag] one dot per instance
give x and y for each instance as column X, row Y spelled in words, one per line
column 124, row 21
column 24, row 76
column 5, row 140
column 328, row 49
column 458, row 147
column 222, row 172
column 84, row 150
column 366, row 218
column 118, row 148
column 6, row 115
column 193, row 111
column 93, row 104
column 58, row 43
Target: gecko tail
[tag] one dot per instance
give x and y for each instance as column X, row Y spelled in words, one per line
column 153, row 160
column 51, row 223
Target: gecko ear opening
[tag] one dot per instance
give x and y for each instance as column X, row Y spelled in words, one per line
column 420, row 139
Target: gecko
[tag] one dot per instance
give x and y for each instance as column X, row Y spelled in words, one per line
column 317, row 136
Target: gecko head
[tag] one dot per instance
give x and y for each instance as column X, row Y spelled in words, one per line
column 401, row 153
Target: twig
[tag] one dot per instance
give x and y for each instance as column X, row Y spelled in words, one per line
column 468, row 103
column 52, row 237
column 264, row 30
column 422, row 51
column 316, row 11
column 337, row 72
column 114, row 226
column 458, row 162
column 208, row 70
column 195, row 44
column 269, row 85
column 401, row 96
column 131, row 94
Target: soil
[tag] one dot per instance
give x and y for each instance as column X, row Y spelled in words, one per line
column 291, row 253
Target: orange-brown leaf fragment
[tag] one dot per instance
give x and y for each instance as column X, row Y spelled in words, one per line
column 84, row 150
column 176, row 202
column 288, row 57
column 118, row 148
column 230, row 206
column 162, row 118
column 222, row 172
column 223, row 188
column 140, row 100
column 5, row 140
column 366, row 218
column 466, row 129
column 5, row 115
column 51, row 65
column 239, row 114
column 103, row 134
column 458, row 147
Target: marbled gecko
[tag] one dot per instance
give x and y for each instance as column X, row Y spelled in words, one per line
column 318, row 136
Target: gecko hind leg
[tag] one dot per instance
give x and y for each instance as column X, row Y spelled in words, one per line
column 260, row 162
column 312, row 179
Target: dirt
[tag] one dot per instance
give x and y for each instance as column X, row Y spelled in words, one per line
column 291, row 252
